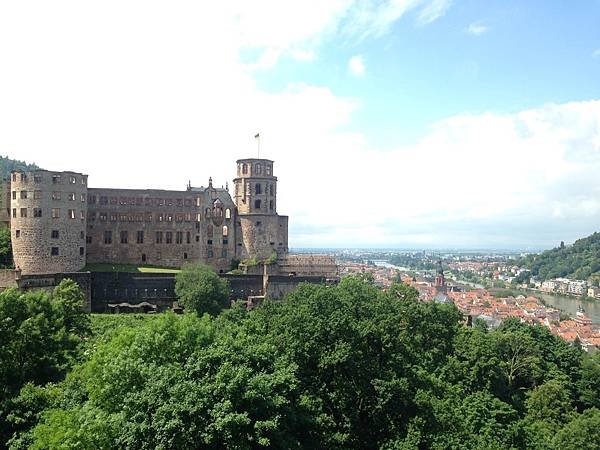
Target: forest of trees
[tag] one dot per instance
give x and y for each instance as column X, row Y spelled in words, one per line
column 339, row 367
column 579, row 261
column 7, row 165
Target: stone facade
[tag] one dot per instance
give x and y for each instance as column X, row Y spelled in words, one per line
column 48, row 221
column 58, row 224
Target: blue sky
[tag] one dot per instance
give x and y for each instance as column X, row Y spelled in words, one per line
column 393, row 123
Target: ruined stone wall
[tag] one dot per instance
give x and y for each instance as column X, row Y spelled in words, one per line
column 48, row 282
column 162, row 228
column 308, row 265
column 48, row 218
column 261, row 234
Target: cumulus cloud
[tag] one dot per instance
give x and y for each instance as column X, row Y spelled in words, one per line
column 356, row 66
column 477, row 28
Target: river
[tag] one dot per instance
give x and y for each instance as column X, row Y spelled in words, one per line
column 570, row 304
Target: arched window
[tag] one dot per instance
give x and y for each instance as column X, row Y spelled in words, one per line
column 258, row 169
column 207, row 212
column 258, row 189
column 228, row 213
column 225, row 231
column 244, row 168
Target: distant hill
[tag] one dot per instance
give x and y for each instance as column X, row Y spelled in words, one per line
column 578, row 261
column 7, row 165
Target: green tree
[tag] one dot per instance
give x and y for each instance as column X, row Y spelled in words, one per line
column 201, row 290
column 6, row 257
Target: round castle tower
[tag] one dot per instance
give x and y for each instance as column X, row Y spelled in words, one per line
column 48, row 217
column 262, row 231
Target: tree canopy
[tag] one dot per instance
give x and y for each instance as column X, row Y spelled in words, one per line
column 200, row 289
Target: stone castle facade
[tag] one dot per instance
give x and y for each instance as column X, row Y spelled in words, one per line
column 59, row 224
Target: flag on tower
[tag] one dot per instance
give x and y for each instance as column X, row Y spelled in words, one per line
column 257, row 135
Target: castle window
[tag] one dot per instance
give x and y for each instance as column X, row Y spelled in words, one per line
column 14, row 214
column 271, row 189
column 210, row 254
column 17, row 233
column 71, row 196
column 14, row 194
column 37, row 195
column 225, row 230
column 23, row 177
column 258, row 169
column 108, row 237
column 228, row 213
column 224, row 253
column 268, row 169
column 37, row 178
column 71, row 214
column 82, row 215
column 23, row 194
column 259, row 223
column 169, row 217
column 148, row 217
column 14, row 177
column 37, row 212
column 198, row 217
column 197, row 238
column 54, row 234
column 179, row 237
column 244, row 168
column 188, row 237
column 185, row 256
column 258, row 189
column 83, row 198
column 103, row 216
column 160, row 201
column 55, row 213
column 114, row 217
column 88, row 239
column 124, row 237
column 122, row 200
column 140, row 236
column 56, row 196
column 159, row 237
column 103, row 200
column 169, row 237
column 83, row 180
column 257, row 204
column 72, row 180
column 54, row 251
column 81, row 251
column 225, row 241
column 188, row 217
column 55, row 179
column 143, row 257
column 160, row 217
column 209, row 242
column 23, row 212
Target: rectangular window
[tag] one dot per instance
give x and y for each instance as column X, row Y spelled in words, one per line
column 113, row 217
column 55, row 213
column 169, row 217
column 209, row 242
column 37, row 195
column 124, row 237
column 24, row 178
column 14, row 177
column 37, row 212
column 179, row 237
column 72, row 180
column 56, row 179
column 17, row 233
column 159, row 237
column 54, row 234
column 56, row 196
column 82, row 215
column 23, row 212
column 140, row 236
column 188, row 237
column 14, row 213
column 71, row 196
column 54, row 251
column 225, row 241
column 169, row 237
column 88, row 239
column 103, row 216
column 71, row 214
column 14, row 195
column 81, row 250
column 108, row 237
column 23, row 194
column 160, row 217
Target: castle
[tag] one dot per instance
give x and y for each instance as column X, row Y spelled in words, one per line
column 59, row 224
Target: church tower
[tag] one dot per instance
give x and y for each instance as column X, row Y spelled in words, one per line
column 263, row 232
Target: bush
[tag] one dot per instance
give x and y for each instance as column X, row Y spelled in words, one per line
column 200, row 289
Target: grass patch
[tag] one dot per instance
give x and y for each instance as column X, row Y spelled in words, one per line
column 130, row 268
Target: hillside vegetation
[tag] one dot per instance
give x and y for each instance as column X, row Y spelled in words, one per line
column 7, row 165
column 578, row 261
column 338, row 367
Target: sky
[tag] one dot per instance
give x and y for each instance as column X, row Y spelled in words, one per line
column 392, row 123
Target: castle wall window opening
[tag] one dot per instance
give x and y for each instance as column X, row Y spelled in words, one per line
column 55, row 213
column 23, row 194
column 54, row 251
column 108, row 237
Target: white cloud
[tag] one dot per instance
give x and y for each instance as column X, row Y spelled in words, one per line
column 163, row 98
column 477, row 28
column 433, row 11
column 356, row 66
